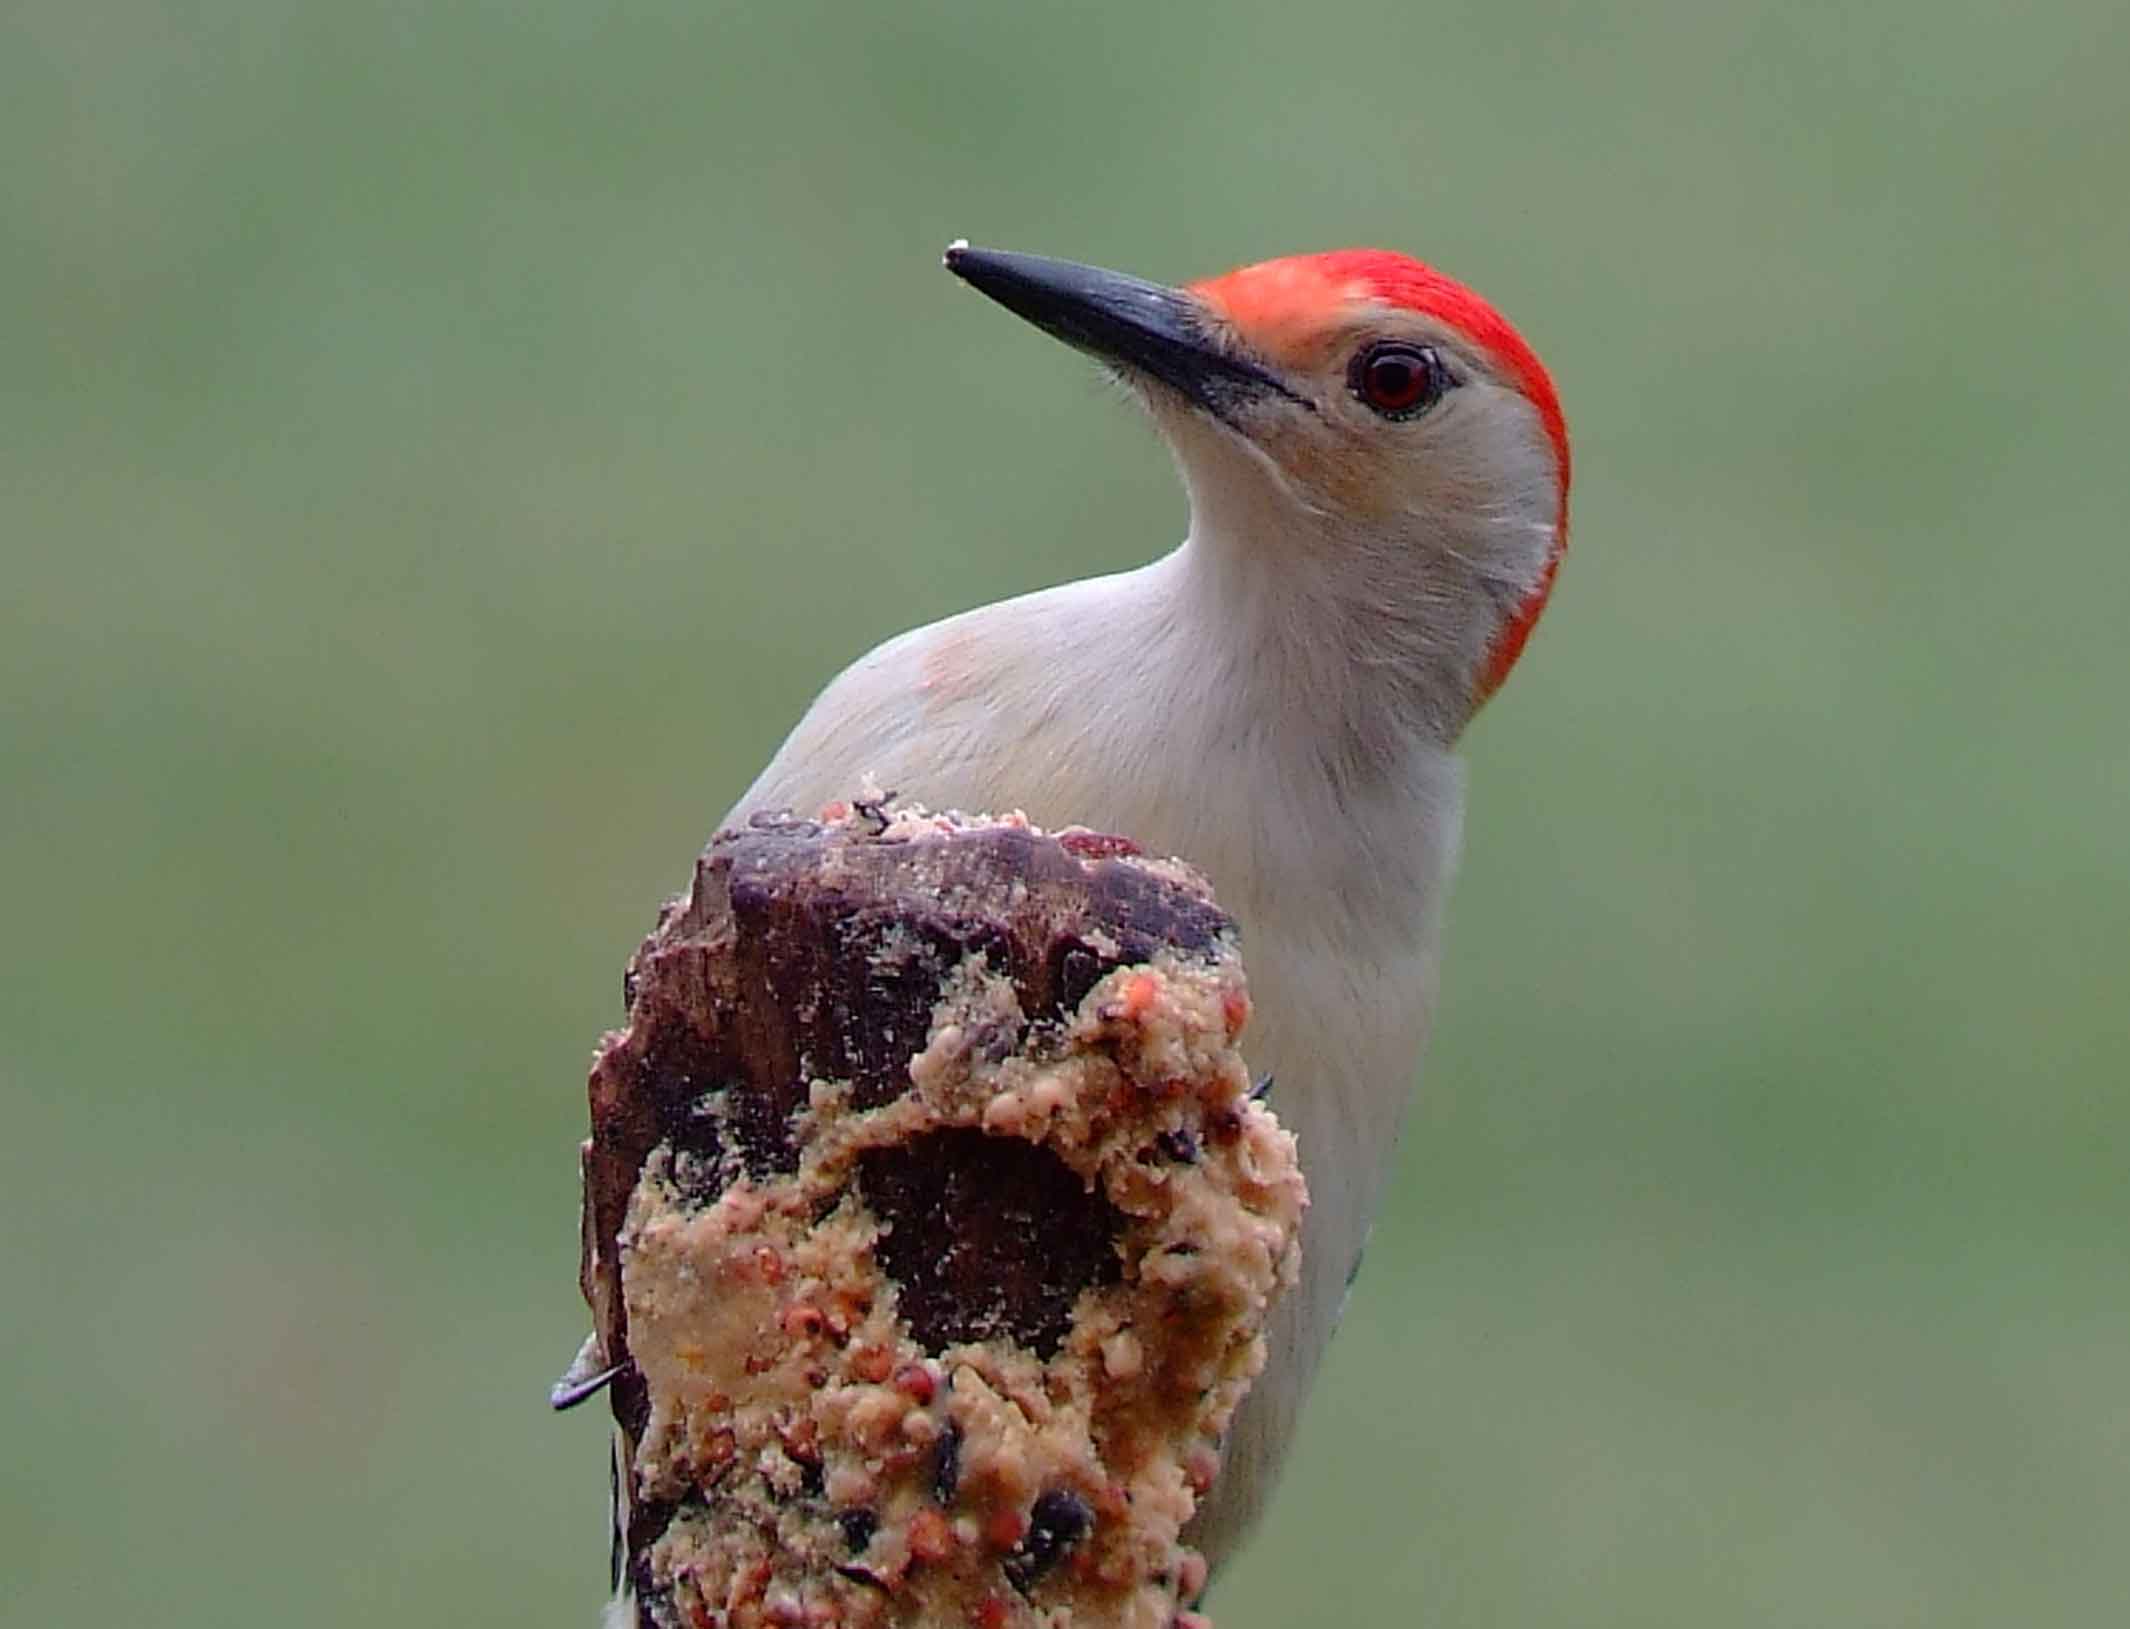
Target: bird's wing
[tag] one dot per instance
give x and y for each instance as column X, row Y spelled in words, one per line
column 964, row 713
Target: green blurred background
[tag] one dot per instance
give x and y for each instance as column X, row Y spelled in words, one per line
column 442, row 449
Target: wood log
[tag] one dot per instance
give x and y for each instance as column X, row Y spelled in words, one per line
column 930, row 1227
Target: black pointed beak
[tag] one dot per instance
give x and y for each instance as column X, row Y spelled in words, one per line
column 1143, row 328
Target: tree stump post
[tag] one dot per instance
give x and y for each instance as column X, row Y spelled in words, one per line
column 930, row 1227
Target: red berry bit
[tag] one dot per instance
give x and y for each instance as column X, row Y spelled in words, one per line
column 1139, row 994
column 1191, row 1575
column 931, row 1538
column 1200, row 1467
column 873, row 1363
column 845, row 1312
column 916, row 1382
column 802, row 1440
column 1097, row 845
column 1005, row 1527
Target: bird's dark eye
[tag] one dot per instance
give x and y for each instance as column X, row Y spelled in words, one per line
column 1399, row 380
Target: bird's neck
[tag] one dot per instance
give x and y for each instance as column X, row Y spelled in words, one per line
column 1331, row 636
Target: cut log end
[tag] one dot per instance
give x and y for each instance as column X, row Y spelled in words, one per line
column 930, row 1228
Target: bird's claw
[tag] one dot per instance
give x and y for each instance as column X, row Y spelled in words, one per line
column 583, row 1378
column 875, row 809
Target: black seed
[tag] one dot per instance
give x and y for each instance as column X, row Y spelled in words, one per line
column 858, row 1526
column 1059, row 1520
column 946, row 1475
column 994, row 1042
column 1179, row 1145
column 1075, row 969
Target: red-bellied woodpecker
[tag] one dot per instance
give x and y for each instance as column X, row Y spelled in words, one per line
column 1377, row 471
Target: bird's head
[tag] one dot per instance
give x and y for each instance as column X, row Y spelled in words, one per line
column 1373, row 435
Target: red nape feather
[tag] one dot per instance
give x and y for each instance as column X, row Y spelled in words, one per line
column 1279, row 296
